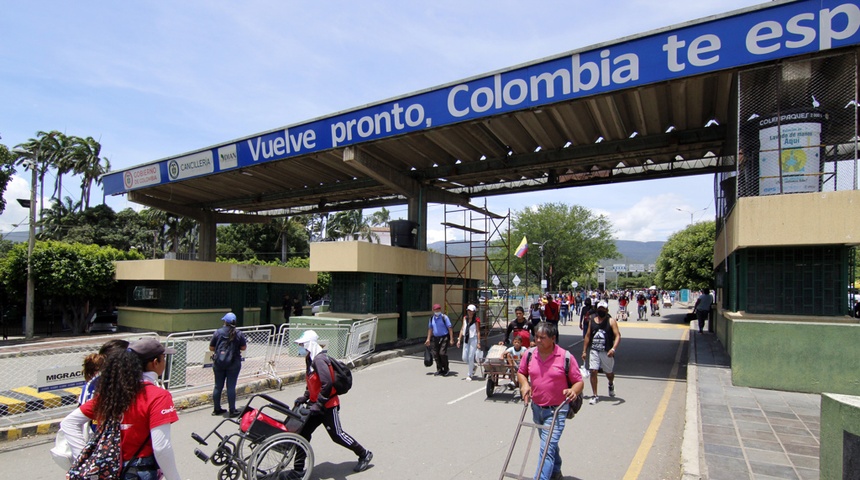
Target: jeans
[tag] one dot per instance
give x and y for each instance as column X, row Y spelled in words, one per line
column 148, row 469
column 230, row 375
column 543, row 416
column 469, row 350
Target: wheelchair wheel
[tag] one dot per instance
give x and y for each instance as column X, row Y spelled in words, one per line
column 244, row 447
column 222, row 455
column 275, row 455
column 229, row 471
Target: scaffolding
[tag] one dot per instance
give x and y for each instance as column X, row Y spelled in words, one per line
column 477, row 265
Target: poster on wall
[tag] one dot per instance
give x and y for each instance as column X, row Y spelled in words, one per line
column 790, row 153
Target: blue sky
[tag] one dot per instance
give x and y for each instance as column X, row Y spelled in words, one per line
column 156, row 79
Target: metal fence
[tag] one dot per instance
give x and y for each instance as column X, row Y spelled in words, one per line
column 47, row 375
column 797, row 124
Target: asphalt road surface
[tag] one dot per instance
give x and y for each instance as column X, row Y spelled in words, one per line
column 424, row 427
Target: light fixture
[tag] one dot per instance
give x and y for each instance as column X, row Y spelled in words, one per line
column 632, row 135
column 599, row 139
column 712, row 122
column 670, row 129
column 537, row 149
column 567, row 144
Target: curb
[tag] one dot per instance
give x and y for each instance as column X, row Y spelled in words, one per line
column 690, row 468
column 192, row 400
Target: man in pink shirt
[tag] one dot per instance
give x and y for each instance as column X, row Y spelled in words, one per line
column 543, row 381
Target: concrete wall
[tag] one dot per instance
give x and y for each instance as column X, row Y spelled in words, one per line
column 790, row 220
column 210, row 272
column 375, row 258
column 169, row 320
column 839, row 414
column 792, row 355
column 386, row 327
column 416, row 324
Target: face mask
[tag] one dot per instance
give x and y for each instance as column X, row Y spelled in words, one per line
column 303, row 351
column 601, row 314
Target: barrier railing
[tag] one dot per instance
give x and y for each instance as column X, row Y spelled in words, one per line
column 47, row 375
column 191, row 365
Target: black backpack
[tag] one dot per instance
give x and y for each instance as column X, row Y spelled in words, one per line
column 342, row 376
column 224, row 349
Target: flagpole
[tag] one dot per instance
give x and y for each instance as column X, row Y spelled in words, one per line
column 525, row 298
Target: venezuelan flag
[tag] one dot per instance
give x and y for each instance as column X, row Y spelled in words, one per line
column 523, row 249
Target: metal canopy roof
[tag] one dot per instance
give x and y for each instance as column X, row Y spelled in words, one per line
column 549, row 147
column 639, row 108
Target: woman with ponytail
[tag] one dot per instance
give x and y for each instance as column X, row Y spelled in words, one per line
column 227, row 344
column 127, row 393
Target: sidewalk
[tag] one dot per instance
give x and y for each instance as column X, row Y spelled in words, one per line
column 745, row 432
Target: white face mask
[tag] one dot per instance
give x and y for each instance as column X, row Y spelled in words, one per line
column 303, row 351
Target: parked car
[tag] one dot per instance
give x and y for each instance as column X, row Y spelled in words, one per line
column 315, row 307
column 103, row 322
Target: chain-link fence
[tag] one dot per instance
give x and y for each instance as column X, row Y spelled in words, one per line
column 797, row 129
column 47, row 375
column 191, row 365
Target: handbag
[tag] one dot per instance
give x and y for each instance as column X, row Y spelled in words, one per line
column 62, row 452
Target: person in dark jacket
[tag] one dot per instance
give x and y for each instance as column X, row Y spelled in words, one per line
column 324, row 403
column 227, row 342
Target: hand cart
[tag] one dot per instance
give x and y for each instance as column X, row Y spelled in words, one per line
column 496, row 369
column 535, row 428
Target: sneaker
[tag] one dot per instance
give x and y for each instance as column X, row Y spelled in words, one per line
column 218, row 412
column 363, row 462
column 438, row 372
column 593, row 400
column 512, row 385
column 556, row 476
column 611, row 389
column 235, row 413
column 468, row 378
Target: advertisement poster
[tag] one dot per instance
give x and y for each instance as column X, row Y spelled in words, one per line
column 790, row 153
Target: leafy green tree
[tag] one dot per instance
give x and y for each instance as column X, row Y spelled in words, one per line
column 75, row 278
column 576, row 239
column 380, row 217
column 349, row 223
column 687, row 258
column 7, row 169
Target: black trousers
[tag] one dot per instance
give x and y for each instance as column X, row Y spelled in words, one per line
column 440, row 353
column 330, row 417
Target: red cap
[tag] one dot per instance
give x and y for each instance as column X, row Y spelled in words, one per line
column 436, row 306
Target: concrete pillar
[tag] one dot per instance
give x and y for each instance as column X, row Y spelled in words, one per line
column 417, row 212
column 206, row 238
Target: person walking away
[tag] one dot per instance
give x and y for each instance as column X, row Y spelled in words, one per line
column 543, row 382
column 551, row 310
column 227, row 344
column 127, row 393
column 287, row 307
column 584, row 316
column 440, row 331
column 622, row 307
column 564, row 309
column 598, row 350
column 513, row 355
column 471, row 332
column 703, row 307
column 520, row 327
column 324, row 403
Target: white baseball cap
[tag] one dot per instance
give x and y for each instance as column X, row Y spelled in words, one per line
column 603, row 304
column 472, row 308
column 308, row 336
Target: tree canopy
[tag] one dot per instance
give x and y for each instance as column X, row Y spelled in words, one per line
column 575, row 240
column 687, row 258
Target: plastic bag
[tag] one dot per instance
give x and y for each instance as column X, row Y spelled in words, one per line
column 428, row 357
column 584, row 372
column 479, row 356
column 62, row 452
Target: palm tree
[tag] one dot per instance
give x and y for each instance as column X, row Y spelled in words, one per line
column 39, row 152
column 89, row 165
column 348, row 224
column 62, row 159
column 380, row 217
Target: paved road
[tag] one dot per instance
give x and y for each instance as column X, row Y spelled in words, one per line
column 425, row 427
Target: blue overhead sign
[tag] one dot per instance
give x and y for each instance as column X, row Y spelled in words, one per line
column 772, row 31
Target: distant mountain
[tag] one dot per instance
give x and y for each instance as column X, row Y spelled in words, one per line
column 631, row 252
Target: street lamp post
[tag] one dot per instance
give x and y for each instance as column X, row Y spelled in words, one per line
column 542, row 279
column 31, row 282
column 691, row 213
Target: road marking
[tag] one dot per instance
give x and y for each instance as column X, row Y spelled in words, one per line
column 638, row 461
column 452, row 402
column 653, row 325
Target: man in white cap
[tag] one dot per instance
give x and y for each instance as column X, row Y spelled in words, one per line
column 324, row 403
column 598, row 349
